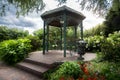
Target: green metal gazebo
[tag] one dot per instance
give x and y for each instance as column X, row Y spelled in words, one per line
column 61, row 17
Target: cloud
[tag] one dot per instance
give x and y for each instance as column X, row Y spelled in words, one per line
column 91, row 19
column 23, row 22
column 12, row 20
column 33, row 21
column 30, row 22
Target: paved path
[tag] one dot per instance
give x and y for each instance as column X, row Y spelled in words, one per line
column 11, row 73
column 89, row 56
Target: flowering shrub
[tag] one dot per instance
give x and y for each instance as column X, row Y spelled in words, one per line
column 89, row 73
column 76, row 71
column 105, row 70
column 86, row 71
column 110, row 48
column 94, row 42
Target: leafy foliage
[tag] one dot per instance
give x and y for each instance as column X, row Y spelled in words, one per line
column 112, row 21
column 108, row 46
column 110, row 70
column 97, row 6
column 87, row 71
column 54, row 40
column 13, row 51
column 111, row 47
column 22, row 6
column 35, row 42
column 94, row 43
column 97, row 30
column 113, row 18
column 26, row 6
column 55, row 37
column 38, row 33
column 61, row 1
column 67, row 70
column 11, row 33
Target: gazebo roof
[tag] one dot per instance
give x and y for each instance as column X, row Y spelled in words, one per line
column 73, row 17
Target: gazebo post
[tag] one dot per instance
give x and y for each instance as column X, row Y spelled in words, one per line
column 61, row 38
column 64, row 36
column 44, row 38
column 75, row 37
column 81, row 27
column 47, row 38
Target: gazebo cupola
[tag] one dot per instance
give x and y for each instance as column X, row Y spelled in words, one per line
column 61, row 17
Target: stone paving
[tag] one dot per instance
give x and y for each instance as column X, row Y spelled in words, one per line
column 12, row 73
column 52, row 56
column 57, row 56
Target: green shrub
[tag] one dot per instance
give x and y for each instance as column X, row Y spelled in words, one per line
column 111, row 47
column 13, row 51
column 96, row 30
column 11, row 33
column 35, row 42
column 94, row 43
column 67, row 69
column 109, row 70
column 86, row 71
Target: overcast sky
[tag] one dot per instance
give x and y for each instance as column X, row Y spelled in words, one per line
column 33, row 21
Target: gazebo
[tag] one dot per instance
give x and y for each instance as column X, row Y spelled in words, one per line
column 61, row 17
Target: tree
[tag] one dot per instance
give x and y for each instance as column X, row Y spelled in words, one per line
column 99, row 7
column 38, row 33
column 111, row 23
column 11, row 33
column 22, row 6
column 97, row 30
column 113, row 18
column 25, row 6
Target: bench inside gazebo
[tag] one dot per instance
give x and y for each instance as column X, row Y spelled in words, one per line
column 61, row 17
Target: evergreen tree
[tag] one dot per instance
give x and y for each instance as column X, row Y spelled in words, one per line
column 113, row 18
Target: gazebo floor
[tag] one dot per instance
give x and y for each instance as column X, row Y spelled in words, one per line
column 53, row 56
column 57, row 56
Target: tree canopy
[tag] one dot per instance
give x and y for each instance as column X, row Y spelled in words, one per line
column 111, row 23
column 99, row 7
column 25, row 6
column 22, row 6
column 11, row 33
column 113, row 18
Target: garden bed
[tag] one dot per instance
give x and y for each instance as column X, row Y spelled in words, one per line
column 79, row 70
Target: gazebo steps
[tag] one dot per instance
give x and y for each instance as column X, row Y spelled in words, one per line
column 37, row 64
column 40, row 63
column 34, row 67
